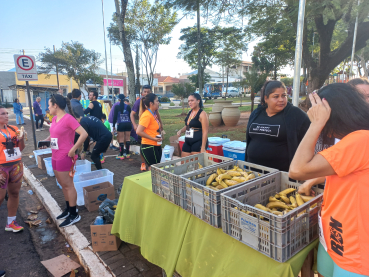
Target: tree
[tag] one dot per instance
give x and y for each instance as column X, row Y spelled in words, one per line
column 183, row 90
column 121, row 9
column 322, row 17
column 194, row 79
column 231, row 45
column 189, row 49
column 255, row 80
column 74, row 60
column 149, row 27
column 362, row 59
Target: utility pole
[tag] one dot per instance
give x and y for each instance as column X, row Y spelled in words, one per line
column 199, row 71
column 354, row 42
column 57, row 75
column 106, row 58
column 111, row 72
column 298, row 53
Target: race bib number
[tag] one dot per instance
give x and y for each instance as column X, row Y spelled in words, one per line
column 14, row 156
column 189, row 133
column 124, row 118
column 321, row 234
column 54, row 144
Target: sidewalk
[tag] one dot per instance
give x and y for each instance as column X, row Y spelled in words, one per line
column 127, row 261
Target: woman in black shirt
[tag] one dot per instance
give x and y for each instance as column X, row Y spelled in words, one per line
column 275, row 129
column 196, row 128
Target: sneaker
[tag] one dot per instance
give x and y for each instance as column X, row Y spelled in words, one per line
column 70, row 220
column 119, row 157
column 63, row 215
column 88, row 153
column 13, row 227
column 143, row 167
column 2, row 273
column 102, row 161
column 38, row 130
column 42, row 129
column 128, row 156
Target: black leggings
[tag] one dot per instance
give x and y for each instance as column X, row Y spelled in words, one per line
column 151, row 153
column 37, row 118
column 194, row 144
column 100, row 147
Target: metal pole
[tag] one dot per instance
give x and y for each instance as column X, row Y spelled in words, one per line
column 354, row 42
column 106, row 59
column 57, row 75
column 298, row 53
column 111, row 72
column 31, row 115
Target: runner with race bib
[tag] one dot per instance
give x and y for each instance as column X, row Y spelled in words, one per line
column 122, row 116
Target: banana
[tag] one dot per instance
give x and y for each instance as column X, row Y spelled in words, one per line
column 251, row 176
column 277, row 196
column 274, row 209
column 211, row 179
column 219, row 187
column 285, row 199
column 239, row 170
column 224, row 185
column 230, row 182
column 200, row 166
column 273, row 199
column 233, row 173
column 214, row 184
column 261, row 207
column 306, row 198
column 244, row 174
column 299, row 200
column 223, row 176
column 239, row 179
column 278, row 205
column 219, row 171
column 293, row 202
column 287, row 191
column 277, row 213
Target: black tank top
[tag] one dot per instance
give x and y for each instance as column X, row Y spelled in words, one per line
column 97, row 110
column 195, row 122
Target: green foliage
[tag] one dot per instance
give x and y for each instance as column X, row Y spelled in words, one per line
column 194, row 79
column 164, row 100
column 74, row 60
column 183, row 90
column 171, row 104
column 287, row 81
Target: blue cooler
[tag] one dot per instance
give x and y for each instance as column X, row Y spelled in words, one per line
column 234, row 149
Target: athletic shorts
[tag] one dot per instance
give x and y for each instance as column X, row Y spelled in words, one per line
column 328, row 268
column 64, row 164
column 151, row 153
column 124, row 127
column 194, row 144
column 10, row 174
column 102, row 144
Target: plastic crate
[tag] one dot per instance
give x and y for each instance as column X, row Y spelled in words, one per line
column 86, row 179
column 41, row 152
column 166, row 176
column 49, row 167
column 82, row 166
column 204, row 202
column 278, row 237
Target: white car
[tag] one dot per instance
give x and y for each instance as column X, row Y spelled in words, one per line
column 232, row 92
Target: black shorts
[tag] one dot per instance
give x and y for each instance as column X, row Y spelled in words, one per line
column 194, row 144
column 124, row 127
column 102, row 144
column 151, row 154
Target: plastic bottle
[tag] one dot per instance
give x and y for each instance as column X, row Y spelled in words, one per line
column 30, row 192
column 99, row 220
column 167, row 155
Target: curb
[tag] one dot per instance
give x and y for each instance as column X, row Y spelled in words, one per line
column 88, row 259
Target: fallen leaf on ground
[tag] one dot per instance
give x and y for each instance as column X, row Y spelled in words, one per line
column 69, row 250
column 33, row 212
column 72, row 274
column 39, row 207
column 37, row 222
column 32, row 216
column 43, row 179
column 48, row 221
column 24, row 184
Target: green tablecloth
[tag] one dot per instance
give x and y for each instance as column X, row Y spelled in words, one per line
column 175, row 240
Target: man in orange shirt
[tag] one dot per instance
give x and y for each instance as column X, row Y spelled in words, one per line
column 345, row 234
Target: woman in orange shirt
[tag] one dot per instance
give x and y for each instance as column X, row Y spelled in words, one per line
column 339, row 111
column 149, row 129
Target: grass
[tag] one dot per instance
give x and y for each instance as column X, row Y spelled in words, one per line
column 174, row 121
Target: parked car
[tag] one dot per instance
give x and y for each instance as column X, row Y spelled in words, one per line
column 210, row 95
column 232, row 92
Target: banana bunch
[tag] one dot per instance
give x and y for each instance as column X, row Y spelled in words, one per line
column 280, row 204
column 226, row 178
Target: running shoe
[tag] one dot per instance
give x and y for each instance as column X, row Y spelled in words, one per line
column 13, row 227
column 2, row 273
column 120, row 157
column 143, row 167
column 38, row 130
column 128, row 156
column 70, row 220
column 102, row 161
column 63, row 215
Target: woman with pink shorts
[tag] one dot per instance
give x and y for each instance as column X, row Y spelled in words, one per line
column 62, row 131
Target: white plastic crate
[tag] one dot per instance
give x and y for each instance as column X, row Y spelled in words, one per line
column 165, row 176
column 88, row 179
column 278, row 237
column 210, row 200
column 82, row 166
column 41, row 152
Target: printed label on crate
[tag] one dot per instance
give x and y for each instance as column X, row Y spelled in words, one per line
column 248, row 225
column 165, row 184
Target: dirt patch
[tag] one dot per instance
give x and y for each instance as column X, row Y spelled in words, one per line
column 241, row 125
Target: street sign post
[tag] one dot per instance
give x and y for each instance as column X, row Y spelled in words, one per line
column 26, row 71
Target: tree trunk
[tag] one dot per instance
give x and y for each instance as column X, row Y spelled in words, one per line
column 137, row 86
column 199, row 71
column 182, row 99
column 126, row 49
column 275, row 67
column 227, row 84
column 252, row 99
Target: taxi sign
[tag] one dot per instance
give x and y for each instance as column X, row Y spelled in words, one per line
column 25, row 67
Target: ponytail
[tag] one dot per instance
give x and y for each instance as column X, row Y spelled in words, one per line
column 142, row 107
column 62, row 102
column 70, row 107
column 145, row 101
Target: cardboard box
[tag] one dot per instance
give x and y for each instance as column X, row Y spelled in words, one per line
column 175, row 143
column 41, row 162
column 102, row 239
column 91, row 193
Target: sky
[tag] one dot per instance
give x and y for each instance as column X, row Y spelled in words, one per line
column 34, row 25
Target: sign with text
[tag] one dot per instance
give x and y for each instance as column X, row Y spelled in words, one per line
column 116, row 82
column 25, row 68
